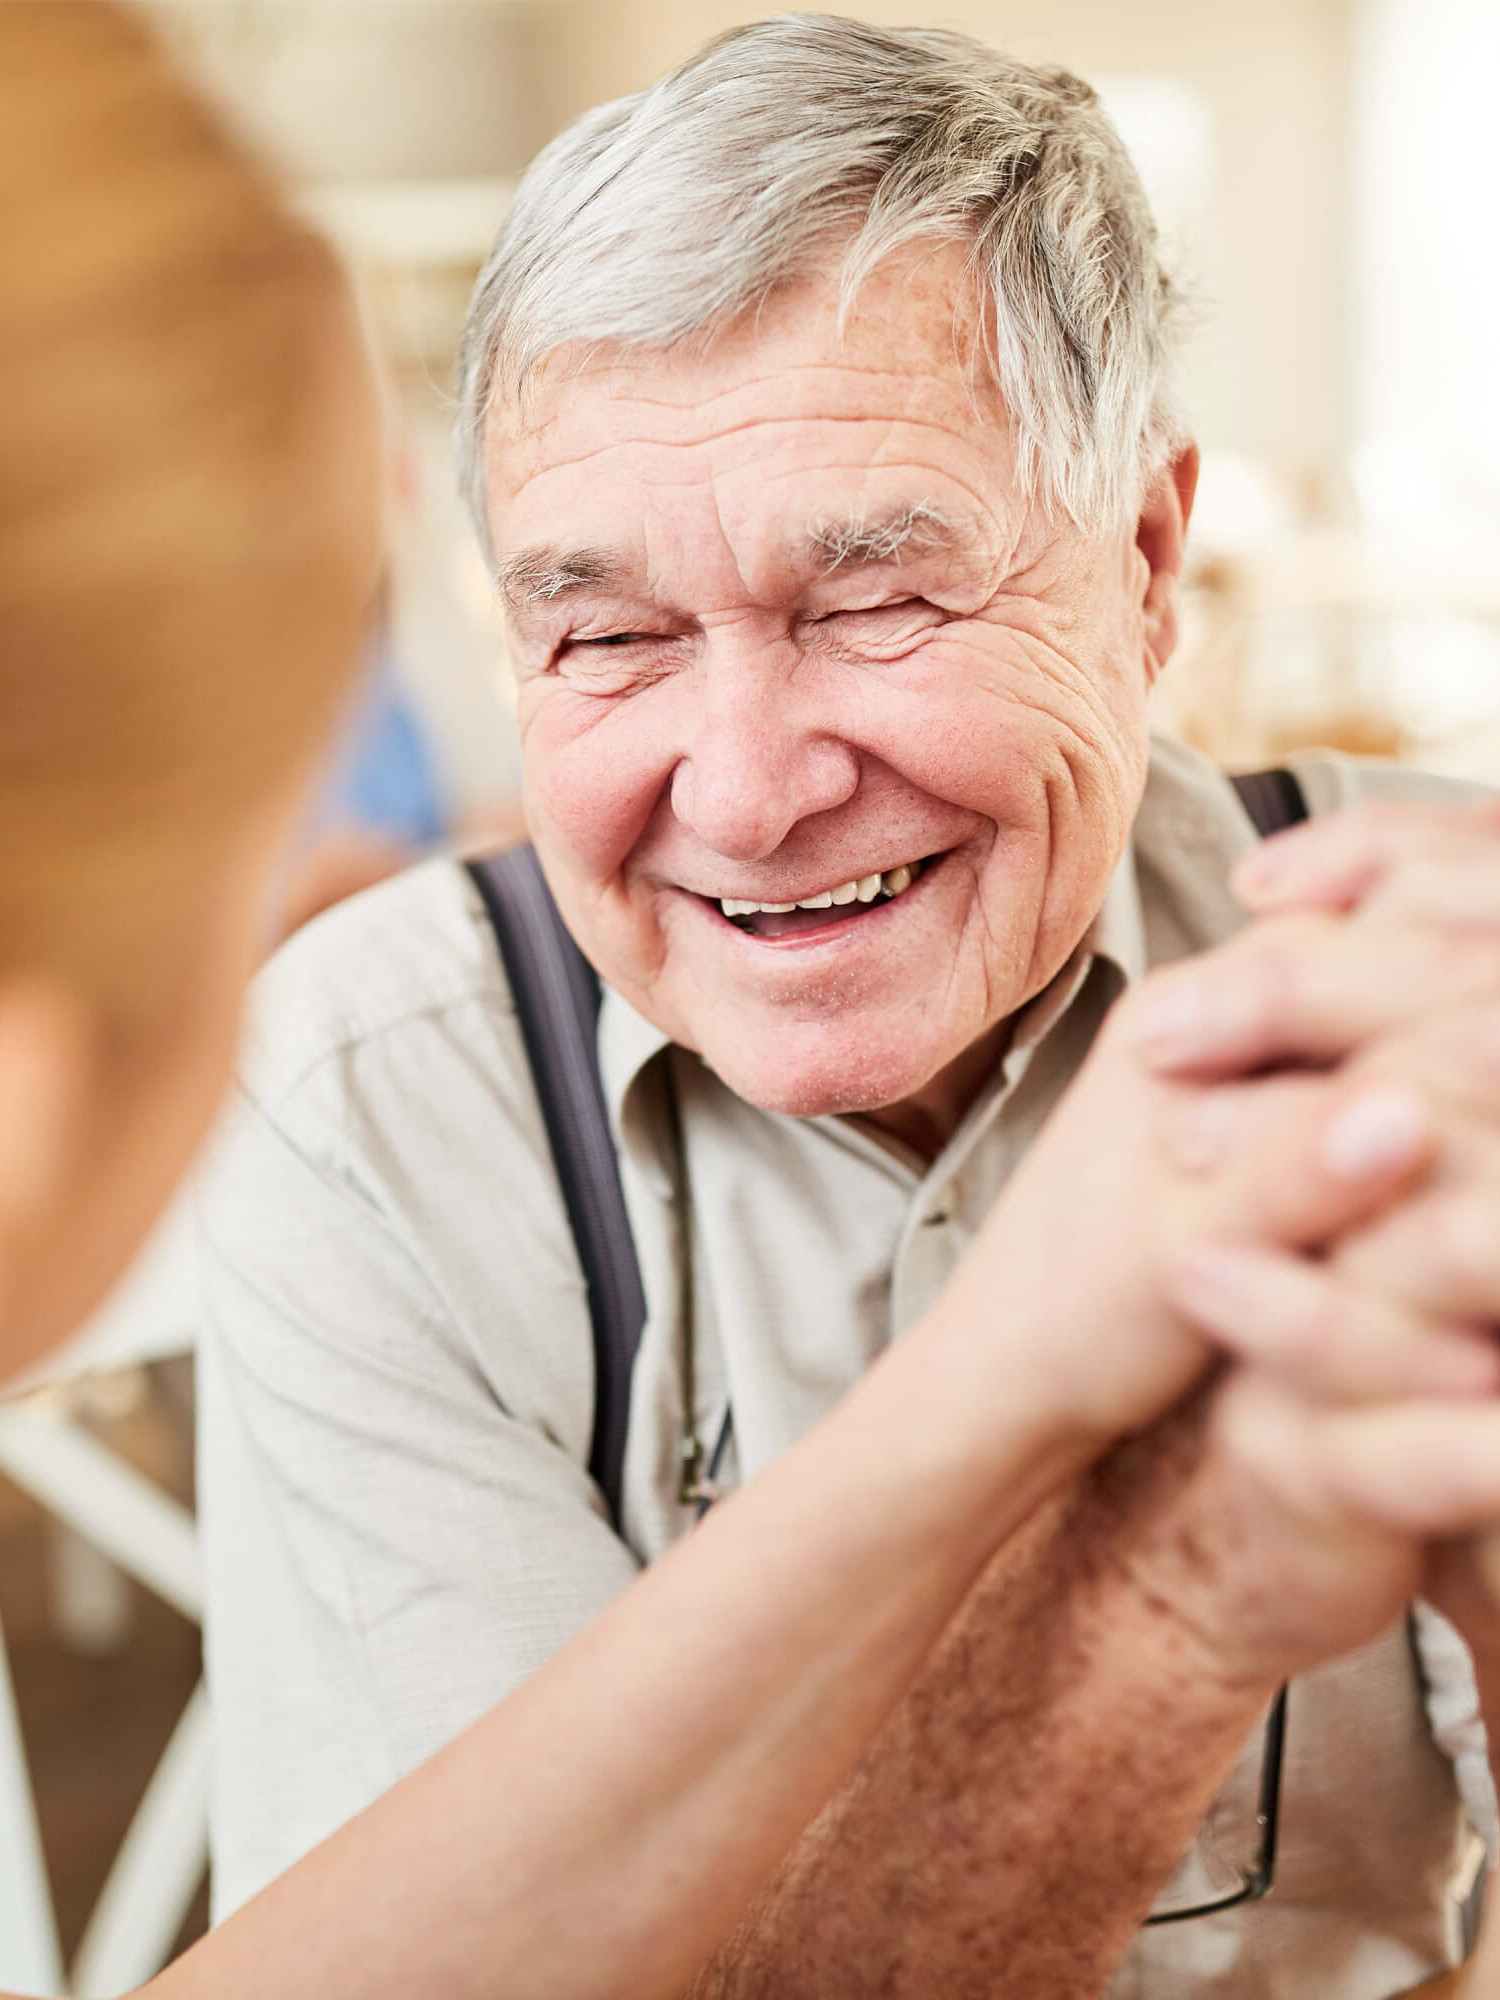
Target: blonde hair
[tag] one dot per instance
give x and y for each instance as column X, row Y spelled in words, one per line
column 179, row 597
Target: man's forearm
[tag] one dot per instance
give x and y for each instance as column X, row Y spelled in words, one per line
column 599, row 1831
column 1014, row 1822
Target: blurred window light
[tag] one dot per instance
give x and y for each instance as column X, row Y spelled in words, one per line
column 1442, row 675
column 1168, row 129
column 1240, row 507
column 371, row 90
column 413, row 224
column 1397, row 474
column 1427, row 281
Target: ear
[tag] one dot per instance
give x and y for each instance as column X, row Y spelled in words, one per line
column 1161, row 537
column 49, row 1066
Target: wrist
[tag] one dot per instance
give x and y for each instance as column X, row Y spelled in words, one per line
column 974, row 1454
column 1261, row 1586
column 1193, row 1555
column 1152, row 1587
column 1460, row 1586
column 1108, row 1664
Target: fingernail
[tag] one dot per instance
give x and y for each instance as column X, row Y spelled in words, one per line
column 1378, row 1131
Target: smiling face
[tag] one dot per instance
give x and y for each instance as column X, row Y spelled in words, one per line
column 783, row 624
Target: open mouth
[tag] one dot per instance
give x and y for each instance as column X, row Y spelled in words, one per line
column 830, row 906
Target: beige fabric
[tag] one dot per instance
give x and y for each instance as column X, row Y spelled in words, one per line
column 397, row 1378
column 1370, row 1856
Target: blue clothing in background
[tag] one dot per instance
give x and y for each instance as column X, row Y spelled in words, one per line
column 382, row 777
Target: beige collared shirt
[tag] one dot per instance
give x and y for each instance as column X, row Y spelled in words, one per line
column 397, row 1371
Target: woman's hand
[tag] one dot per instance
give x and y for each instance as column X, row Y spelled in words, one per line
column 1350, row 1411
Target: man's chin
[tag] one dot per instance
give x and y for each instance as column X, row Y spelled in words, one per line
column 824, row 1084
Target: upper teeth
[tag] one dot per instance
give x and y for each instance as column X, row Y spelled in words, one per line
column 863, row 889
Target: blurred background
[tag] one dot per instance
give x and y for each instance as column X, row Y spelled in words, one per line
column 1325, row 173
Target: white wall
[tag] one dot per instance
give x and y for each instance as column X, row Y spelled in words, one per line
column 1426, row 326
column 1267, row 375
column 350, row 89
column 382, row 90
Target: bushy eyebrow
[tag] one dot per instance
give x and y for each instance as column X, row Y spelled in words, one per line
column 858, row 541
column 542, row 574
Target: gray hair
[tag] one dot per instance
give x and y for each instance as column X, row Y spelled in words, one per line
column 662, row 217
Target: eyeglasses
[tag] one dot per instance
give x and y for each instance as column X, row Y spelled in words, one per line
column 1256, row 1881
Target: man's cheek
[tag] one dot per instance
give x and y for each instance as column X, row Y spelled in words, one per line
column 588, row 801
column 996, row 757
column 990, row 717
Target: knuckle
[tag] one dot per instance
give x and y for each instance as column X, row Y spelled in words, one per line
column 1456, row 1053
column 1318, row 1332
column 1137, row 1002
column 1459, row 1246
column 1411, row 817
column 1469, row 1042
column 1466, row 961
column 1375, row 816
column 1120, row 1032
column 1277, row 969
column 1294, row 933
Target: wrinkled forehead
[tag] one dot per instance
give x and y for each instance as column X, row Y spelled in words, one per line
column 795, row 411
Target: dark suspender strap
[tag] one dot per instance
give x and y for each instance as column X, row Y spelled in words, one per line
column 1273, row 799
column 556, row 993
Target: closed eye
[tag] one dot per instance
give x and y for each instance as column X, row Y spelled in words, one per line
column 886, row 627
column 872, row 610
column 615, row 662
column 893, row 609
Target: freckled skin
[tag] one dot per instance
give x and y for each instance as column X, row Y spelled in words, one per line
column 728, row 718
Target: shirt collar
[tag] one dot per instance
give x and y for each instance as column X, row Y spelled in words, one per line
column 628, row 1044
column 1118, row 933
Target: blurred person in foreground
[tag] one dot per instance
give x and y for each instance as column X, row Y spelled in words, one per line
column 818, row 407
column 189, row 552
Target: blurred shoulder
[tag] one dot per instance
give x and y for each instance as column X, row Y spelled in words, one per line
column 1192, row 828
column 1190, row 801
column 416, row 949
column 1331, row 780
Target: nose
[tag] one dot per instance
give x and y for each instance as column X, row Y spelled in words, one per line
column 757, row 759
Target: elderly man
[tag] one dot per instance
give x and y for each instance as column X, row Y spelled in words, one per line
column 819, row 413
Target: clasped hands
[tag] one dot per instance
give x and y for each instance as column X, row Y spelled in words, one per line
column 1287, row 1151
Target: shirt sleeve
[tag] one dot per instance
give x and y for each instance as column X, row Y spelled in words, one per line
column 1457, row 1725
column 389, row 1545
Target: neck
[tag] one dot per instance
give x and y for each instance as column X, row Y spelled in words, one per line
column 928, row 1119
